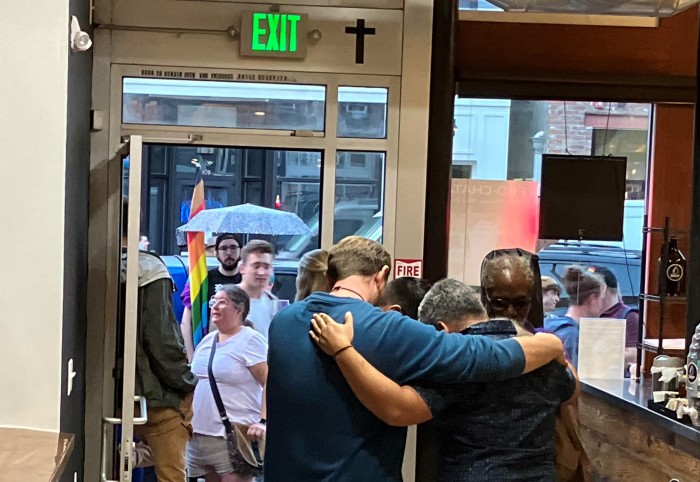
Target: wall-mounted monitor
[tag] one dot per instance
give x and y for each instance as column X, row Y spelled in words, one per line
column 582, row 197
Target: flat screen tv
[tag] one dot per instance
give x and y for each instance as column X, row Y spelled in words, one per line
column 582, row 197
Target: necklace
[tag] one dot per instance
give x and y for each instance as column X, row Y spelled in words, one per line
column 338, row 288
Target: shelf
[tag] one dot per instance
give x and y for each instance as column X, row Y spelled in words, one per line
column 669, row 345
column 675, row 346
column 669, row 300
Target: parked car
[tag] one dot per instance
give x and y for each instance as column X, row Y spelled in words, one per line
column 284, row 285
column 349, row 218
column 625, row 265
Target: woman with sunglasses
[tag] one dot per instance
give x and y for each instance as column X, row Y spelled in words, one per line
column 239, row 366
column 586, row 292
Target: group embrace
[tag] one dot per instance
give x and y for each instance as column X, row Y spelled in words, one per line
column 329, row 389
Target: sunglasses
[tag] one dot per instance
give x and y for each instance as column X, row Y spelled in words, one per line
column 519, row 304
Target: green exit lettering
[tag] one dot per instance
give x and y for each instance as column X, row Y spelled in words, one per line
column 275, row 32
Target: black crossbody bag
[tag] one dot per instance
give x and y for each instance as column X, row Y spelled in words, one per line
column 236, row 437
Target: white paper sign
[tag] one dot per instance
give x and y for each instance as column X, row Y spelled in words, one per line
column 601, row 348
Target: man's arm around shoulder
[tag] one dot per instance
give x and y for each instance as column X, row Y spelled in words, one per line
column 406, row 350
column 540, row 350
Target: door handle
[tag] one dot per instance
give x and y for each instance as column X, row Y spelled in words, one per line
column 106, row 433
column 137, row 420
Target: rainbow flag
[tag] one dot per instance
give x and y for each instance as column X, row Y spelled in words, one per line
column 199, row 285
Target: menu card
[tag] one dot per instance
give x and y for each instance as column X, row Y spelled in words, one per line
column 601, row 348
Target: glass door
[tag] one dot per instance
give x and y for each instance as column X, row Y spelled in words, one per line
column 281, row 179
column 275, row 139
column 321, row 146
column 118, row 426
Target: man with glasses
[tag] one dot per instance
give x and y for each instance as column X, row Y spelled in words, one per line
column 228, row 252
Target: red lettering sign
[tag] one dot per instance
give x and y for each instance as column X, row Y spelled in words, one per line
column 408, row 268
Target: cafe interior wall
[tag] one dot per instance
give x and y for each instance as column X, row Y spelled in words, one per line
column 658, row 65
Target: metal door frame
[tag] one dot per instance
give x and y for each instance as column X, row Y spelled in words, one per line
column 237, row 138
column 132, row 148
column 118, row 134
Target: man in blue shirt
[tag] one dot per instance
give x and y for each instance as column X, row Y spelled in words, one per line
column 318, row 430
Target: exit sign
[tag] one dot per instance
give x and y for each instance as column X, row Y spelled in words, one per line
column 273, row 34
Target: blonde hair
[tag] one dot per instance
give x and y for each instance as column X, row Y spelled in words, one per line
column 356, row 256
column 312, row 276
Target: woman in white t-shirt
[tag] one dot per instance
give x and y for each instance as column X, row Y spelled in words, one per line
column 240, row 370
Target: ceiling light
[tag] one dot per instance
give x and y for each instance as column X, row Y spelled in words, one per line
column 259, row 113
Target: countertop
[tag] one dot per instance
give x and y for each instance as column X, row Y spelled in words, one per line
column 633, row 395
column 33, row 455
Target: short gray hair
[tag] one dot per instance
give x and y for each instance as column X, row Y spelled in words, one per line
column 450, row 301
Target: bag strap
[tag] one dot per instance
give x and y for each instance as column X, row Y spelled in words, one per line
column 220, row 403
column 215, row 389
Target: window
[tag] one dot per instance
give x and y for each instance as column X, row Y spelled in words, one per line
column 359, row 195
column 242, row 105
column 497, row 156
column 269, row 178
column 632, row 144
column 462, row 171
column 362, row 112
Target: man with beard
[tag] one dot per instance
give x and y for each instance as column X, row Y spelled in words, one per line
column 228, row 252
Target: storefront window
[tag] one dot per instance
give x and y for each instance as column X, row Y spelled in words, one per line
column 497, row 161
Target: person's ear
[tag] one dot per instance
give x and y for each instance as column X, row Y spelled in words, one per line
column 394, row 308
column 440, row 326
column 382, row 276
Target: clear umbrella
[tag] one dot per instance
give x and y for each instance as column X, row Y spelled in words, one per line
column 247, row 219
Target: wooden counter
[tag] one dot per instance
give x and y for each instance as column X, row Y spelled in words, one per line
column 626, row 441
column 33, row 455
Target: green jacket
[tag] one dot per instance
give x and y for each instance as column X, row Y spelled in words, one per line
column 163, row 375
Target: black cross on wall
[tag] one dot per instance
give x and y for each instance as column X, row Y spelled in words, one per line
column 359, row 31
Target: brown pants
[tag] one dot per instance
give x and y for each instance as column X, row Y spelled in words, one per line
column 167, row 432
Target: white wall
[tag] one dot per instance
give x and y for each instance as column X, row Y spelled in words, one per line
column 33, row 93
column 483, row 129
